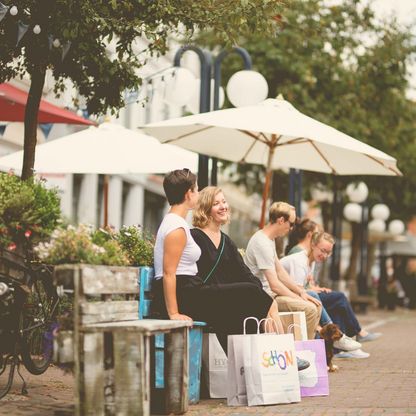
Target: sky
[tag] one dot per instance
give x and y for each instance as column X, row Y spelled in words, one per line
column 405, row 9
column 406, row 13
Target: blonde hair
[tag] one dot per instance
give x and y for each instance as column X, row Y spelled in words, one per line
column 202, row 211
column 280, row 209
column 322, row 235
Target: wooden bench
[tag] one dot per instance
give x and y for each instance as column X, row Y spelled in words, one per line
column 195, row 343
column 113, row 350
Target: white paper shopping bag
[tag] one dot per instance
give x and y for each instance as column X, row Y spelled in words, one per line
column 270, row 369
column 238, row 345
column 214, row 367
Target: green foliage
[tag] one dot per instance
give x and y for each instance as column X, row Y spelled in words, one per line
column 84, row 244
column 29, row 212
column 76, row 245
column 137, row 244
column 342, row 66
column 89, row 25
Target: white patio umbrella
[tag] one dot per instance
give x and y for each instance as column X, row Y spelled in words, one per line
column 106, row 149
column 276, row 135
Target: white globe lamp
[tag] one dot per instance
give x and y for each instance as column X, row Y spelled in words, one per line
column 377, row 225
column 247, row 87
column 193, row 103
column 380, row 212
column 353, row 212
column 396, row 227
column 321, row 194
column 357, row 193
column 181, row 85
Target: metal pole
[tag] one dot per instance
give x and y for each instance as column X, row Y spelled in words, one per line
column 336, row 232
column 217, row 84
column 362, row 278
column 204, row 99
column 295, row 190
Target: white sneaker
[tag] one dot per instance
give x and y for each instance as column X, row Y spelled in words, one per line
column 347, row 344
column 352, row 354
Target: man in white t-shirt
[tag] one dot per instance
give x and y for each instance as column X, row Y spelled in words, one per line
column 262, row 260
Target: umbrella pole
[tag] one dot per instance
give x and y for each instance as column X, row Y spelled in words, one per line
column 269, row 173
column 265, row 196
column 105, row 197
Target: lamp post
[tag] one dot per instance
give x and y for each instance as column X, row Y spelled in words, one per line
column 358, row 194
column 380, row 213
column 335, row 268
column 245, row 87
column 205, row 60
column 217, row 84
column 295, row 190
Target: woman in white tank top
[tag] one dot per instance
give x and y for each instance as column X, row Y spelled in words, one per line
column 179, row 293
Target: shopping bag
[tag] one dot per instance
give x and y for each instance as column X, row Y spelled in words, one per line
column 314, row 379
column 236, row 382
column 270, row 369
column 214, row 367
column 298, row 321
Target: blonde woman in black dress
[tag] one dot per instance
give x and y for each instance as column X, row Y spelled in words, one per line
column 221, row 264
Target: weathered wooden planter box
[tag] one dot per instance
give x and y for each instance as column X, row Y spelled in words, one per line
column 112, row 348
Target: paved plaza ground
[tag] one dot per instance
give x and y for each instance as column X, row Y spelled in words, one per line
column 384, row 384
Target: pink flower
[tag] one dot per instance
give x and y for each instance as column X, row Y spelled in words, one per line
column 28, row 233
column 12, row 247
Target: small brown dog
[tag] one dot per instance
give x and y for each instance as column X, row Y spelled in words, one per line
column 330, row 333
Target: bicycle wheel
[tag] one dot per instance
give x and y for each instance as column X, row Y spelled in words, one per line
column 37, row 324
column 7, row 367
column 8, row 342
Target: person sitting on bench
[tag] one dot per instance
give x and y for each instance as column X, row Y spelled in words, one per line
column 179, row 293
column 315, row 247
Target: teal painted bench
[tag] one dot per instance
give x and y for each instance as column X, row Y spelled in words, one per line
column 195, row 343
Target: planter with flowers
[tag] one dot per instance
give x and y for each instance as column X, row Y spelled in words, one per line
column 99, row 256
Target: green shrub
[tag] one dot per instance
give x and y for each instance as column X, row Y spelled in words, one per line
column 137, row 244
column 29, row 212
column 75, row 245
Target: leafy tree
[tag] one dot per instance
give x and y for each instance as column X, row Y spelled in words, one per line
column 342, row 66
column 86, row 26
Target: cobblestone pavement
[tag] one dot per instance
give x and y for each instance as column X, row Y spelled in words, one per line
column 384, row 384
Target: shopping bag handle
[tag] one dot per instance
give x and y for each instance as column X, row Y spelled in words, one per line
column 248, row 319
column 266, row 321
column 291, row 327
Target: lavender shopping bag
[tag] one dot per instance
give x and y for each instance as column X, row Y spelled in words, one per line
column 314, row 379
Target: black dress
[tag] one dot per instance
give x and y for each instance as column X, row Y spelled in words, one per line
column 232, row 292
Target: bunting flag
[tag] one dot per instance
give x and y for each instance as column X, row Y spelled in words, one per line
column 22, row 28
column 21, row 31
column 3, row 11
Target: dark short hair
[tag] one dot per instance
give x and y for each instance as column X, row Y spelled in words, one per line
column 177, row 183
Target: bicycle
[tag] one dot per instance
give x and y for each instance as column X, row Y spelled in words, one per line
column 28, row 306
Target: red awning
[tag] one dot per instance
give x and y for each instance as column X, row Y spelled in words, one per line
column 13, row 103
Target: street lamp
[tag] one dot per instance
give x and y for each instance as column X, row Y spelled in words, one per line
column 205, row 60
column 380, row 213
column 396, row 227
column 358, row 194
column 245, row 87
column 295, row 190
